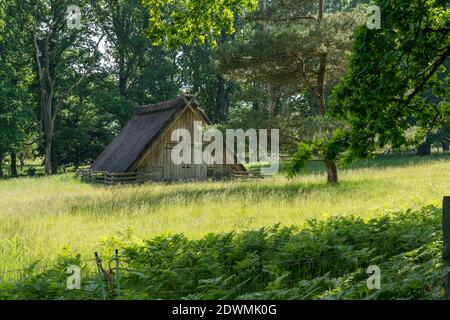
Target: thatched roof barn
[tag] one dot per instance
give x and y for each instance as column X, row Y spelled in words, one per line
column 144, row 145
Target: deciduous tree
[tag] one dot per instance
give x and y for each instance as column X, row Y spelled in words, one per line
column 63, row 58
column 391, row 69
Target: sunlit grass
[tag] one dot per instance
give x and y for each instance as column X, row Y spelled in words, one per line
column 40, row 216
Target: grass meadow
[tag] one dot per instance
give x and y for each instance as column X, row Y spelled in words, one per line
column 43, row 216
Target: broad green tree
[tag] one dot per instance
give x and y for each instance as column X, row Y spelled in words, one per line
column 197, row 26
column 16, row 80
column 197, row 69
column 64, row 56
column 174, row 23
column 391, row 71
column 145, row 73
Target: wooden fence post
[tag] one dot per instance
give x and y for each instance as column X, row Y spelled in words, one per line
column 100, row 275
column 446, row 250
column 117, row 275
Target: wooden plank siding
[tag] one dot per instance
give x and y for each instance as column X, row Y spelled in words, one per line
column 159, row 155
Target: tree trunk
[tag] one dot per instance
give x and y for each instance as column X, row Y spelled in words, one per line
column 321, row 104
column 320, row 86
column 48, row 146
column 424, row 149
column 321, row 101
column 321, row 9
column 48, row 158
column 122, row 76
column 47, row 112
column 332, row 172
column 21, row 161
column 13, row 164
column 221, row 100
column 55, row 166
column 1, row 164
column 48, row 54
column 48, row 139
column 271, row 103
column 446, row 145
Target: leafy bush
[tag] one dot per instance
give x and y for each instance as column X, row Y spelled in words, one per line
column 299, row 159
column 330, row 148
column 325, row 259
column 51, row 283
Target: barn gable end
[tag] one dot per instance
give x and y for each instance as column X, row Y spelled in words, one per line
column 144, row 145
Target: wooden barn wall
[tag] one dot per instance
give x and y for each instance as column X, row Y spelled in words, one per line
column 153, row 163
column 156, row 156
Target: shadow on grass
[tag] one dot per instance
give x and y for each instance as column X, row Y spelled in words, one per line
column 379, row 161
column 249, row 191
column 382, row 162
column 387, row 161
column 241, row 191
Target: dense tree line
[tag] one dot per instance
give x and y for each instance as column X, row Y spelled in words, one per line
column 399, row 78
column 308, row 67
column 65, row 92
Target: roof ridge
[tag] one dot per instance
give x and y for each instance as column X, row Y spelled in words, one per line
column 179, row 102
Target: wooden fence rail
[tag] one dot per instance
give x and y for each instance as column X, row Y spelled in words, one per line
column 111, row 178
column 140, row 177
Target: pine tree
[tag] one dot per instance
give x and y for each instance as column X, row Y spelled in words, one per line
column 295, row 44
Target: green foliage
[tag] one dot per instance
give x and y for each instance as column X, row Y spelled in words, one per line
column 145, row 74
column 325, row 148
column 285, row 41
column 332, row 149
column 393, row 84
column 2, row 13
column 322, row 260
column 299, row 159
column 92, row 97
column 89, row 121
column 50, row 283
column 16, row 80
column 197, row 68
column 185, row 22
